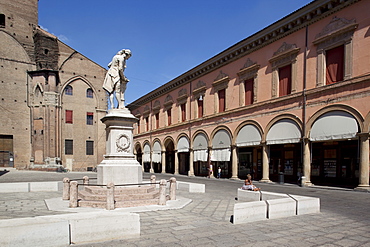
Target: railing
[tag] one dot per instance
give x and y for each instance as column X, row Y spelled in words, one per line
column 70, row 190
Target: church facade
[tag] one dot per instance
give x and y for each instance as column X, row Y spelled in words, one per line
column 51, row 97
column 290, row 100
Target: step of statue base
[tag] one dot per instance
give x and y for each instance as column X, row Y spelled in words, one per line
column 95, row 197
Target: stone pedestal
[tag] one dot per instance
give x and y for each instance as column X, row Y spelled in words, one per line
column 119, row 165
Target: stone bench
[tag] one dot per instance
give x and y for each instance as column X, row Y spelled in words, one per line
column 191, row 187
column 306, row 205
column 29, row 187
column 248, row 195
column 249, row 211
column 279, row 208
column 276, row 205
column 65, row 229
column 37, row 231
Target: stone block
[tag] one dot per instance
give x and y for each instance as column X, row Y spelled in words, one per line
column 14, row 187
column 102, row 226
column 248, row 195
column 43, row 186
column 38, row 231
column 278, row 208
column 271, row 195
column 307, row 205
column 246, row 212
column 191, row 187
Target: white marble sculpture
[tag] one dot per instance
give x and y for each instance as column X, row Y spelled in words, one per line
column 115, row 81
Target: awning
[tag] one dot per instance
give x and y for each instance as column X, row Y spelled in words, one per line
column 201, row 155
column 221, row 140
column 200, row 142
column 335, row 125
column 284, row 131
column 221, row 154
column 156, row 156
column 183, row 145
column 249, row 135
column 146, row 154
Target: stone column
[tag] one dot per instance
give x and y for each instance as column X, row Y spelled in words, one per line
column 172, row 188
column 234, row 168
column 163, row 159
column 176, row 162
column 364, row 162
column 265, row 164
column 65, row 189
column 306, row 162
column 162, row 192
column 151, row 162
column 86, row 179
column 110, row 196
column 191, row 163
column 73, row 198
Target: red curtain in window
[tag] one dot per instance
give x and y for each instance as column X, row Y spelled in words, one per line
column 249, row 91
column 183, row 112
column 69, row 116
column 200, row 108
column 285, row 80
column 221, row 100
column 335, row 64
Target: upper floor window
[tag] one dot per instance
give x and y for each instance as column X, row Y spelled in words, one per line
column 157, row 120
column 335, row 65
column 147, row 123
column 169, row 116
column 284, row 70
column 69, row 116
column 248, row 91
column 221, row 100
column 285, row 80
column 68, row 90
column 334, row 51
column 90, row 118
column 200, row 107
column 138, row 126
column 89, row 147
column 89, row 93
column 2, row 20
column 68, row 147
column 183, row 112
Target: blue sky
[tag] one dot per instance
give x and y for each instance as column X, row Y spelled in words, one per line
column 166, row 37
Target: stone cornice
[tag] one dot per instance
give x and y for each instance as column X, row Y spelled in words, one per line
column 295, row 21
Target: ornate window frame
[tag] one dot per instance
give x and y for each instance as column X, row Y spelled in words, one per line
column 199, row 91
column 249, row 71
column 338, row 32
column 221, row 82
column 182, row 100
column 285, row 55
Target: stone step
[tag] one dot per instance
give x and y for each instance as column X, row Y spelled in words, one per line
column 120, row 190
column 86, row 195
column 123, row 204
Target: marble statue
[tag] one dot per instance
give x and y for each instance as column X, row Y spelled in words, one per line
column 115, row 81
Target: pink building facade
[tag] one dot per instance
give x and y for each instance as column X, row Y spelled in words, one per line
column 291, row 99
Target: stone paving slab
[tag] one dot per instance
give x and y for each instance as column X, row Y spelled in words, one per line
column 343, row 221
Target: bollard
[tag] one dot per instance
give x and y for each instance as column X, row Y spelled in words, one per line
column 65, row 189
column 110, row 196
column 152, row 179
column 172, row 188
column 162, row 192
column 73, row 197
column 86, row 179
column 281, row 178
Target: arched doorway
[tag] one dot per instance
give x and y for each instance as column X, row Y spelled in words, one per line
column 284, row 138
column 156, row 157
column 146, row 157
column 335, row 149
column 170, row 156
column 183, row 155
column 139, row 154
column 200, row 147
column 221, row 153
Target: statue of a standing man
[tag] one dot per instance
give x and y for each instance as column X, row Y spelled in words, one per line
column 115, row 81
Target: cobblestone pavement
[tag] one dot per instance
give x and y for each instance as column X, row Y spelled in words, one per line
column 344, row 219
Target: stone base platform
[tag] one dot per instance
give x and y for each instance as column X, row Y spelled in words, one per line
column 96, row 197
